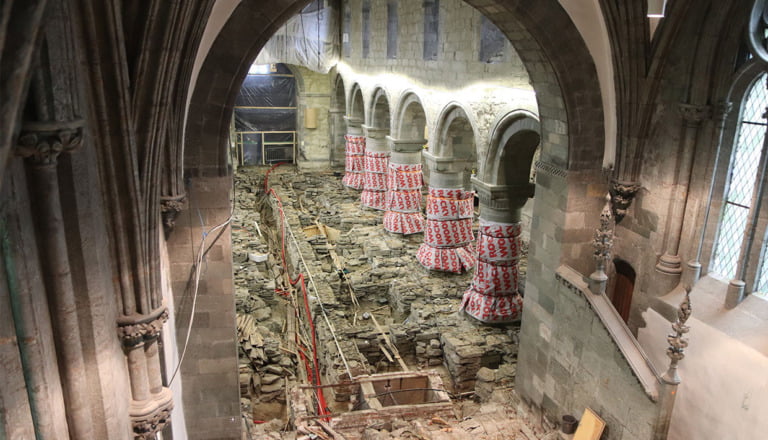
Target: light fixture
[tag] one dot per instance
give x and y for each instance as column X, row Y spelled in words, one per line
column 656, row 8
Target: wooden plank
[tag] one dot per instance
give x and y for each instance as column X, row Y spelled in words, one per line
column 591, row 426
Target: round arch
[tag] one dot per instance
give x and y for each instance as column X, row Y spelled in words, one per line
column 356, row 103
column 380, row 116
column 574, row 120
column 513, row 143
column 410, row 120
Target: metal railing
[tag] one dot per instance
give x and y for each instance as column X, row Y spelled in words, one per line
column 272, row 151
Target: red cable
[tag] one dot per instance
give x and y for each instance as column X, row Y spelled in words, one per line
column 312, row 373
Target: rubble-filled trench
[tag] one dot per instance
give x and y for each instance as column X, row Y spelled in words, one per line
column 374, row 310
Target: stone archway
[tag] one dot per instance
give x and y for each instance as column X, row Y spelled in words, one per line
column 338, row 126
column 376, row 152
column 504, row 188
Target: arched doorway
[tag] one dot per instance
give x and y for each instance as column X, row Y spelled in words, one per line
column 623, row 287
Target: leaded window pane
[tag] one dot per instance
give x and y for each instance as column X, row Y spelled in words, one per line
column 729, row 240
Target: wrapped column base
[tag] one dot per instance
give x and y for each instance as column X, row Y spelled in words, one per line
column 454, row 259
column 403, row 222
column 492, row 309
column 353, row 180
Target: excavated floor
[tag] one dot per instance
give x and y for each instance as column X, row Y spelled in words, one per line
column 375, row 309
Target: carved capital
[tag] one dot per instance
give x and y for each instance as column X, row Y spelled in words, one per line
column 135, row 329
column 694, row 114
column 151, row 416
column 170, row 207
column 42, row 142
column 622, row 194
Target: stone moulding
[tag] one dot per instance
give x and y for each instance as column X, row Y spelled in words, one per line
column 137, row 328
column 551, row 169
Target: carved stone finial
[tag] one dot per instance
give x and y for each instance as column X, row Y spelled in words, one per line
column 693, row 114
column 622, row 194
column 603, row 245
column 677, row 343
column 43, row 142
column 603, row 242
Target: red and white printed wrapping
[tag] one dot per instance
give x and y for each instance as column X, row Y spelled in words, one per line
column 354, row 161
column 450, row 204
column 493, row 309
column 494, row 296
column 446, row 259
column 448, row 233
column 403, row 222
column 375, row 180
column 404, row 177
column 403, row 200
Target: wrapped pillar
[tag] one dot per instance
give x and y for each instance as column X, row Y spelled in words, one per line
column 448, row 234
column 354, row 151
column 494, row 296
column 376, row 162
column 404, row 182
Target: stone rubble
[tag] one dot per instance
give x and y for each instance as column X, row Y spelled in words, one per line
column 363, row 281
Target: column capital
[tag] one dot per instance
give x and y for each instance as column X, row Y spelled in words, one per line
column 42, row 142
column 406, row 145
column 375, row 132
column 135, row 329
column 353, row 121
column 502, row 196
column 693, row 114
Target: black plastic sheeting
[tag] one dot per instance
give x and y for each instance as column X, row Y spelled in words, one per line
column 267, row 91
column 264, row 102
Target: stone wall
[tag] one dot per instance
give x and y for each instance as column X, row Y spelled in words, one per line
column 209, row 370
column 314, row 144
column 568, row 361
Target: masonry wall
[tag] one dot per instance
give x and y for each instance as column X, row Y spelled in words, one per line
column 314, row 144
column 486, row 91
column 208, row 373
column 575, row 364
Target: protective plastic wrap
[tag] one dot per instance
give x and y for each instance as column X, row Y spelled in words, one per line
column 354, row 164
column 494, row 295
column 403, row 200
column 375, row 180
column 309, row 39
column 448, row 234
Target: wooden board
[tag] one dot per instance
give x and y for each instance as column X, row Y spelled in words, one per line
column 591, row 426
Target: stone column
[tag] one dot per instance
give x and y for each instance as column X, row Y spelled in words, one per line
column 693, row 267
column 41, row 144
column 151, row 402
column 448, row 235
column 404, row 182
column 376, row 164
column 494, row 296
column 354, row 162
column 670, row 263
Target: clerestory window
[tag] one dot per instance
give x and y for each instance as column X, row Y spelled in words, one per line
column 741, row 239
